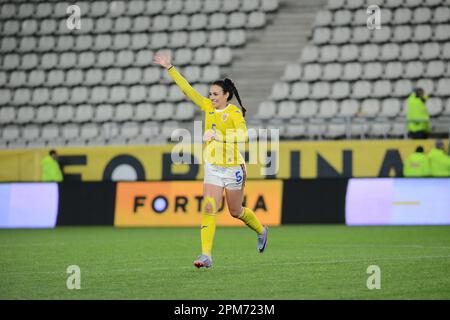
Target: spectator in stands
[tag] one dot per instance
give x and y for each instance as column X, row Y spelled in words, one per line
column 51, row 170
column 417, row 115
column 417, row 164
column 439, row 161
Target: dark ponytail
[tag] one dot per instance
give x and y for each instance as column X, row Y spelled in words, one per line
column 228, row 86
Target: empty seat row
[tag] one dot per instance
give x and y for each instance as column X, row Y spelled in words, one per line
column 375, row 52
column 349, row 108
column 106, row 59
column 102, row 113
column 33, row 27
column 94, row 95
column 116, row 42
column 133, row 8
column 139, row 41
column 403, row 33
column 392, row 4
column 109, row 133
column 358, row 90
column 337, row 129
column 378, row 127
column 419, row 15
column 369, row 71
column 112, row 76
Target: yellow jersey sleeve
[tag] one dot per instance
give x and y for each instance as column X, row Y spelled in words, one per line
column 204, row 103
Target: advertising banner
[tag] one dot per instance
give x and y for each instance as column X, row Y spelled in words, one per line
column 28, row 205
column 288, row 160
column 143, row 204
column 398, row 202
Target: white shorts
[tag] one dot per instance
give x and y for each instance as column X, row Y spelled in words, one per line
column 231, row 178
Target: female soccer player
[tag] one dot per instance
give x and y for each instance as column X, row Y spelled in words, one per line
column 224, row 165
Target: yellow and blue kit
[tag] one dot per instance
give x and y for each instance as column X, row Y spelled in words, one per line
column 228, row 124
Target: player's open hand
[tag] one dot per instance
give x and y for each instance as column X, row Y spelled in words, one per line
column 163, row 59
column 209, row 135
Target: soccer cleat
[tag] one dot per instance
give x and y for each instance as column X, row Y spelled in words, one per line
column 203, row 260
column 262, row 240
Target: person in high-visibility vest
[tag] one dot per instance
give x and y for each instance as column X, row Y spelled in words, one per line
column 51, row 171
column 417, row 164
column 417, row 115
column 439, row 161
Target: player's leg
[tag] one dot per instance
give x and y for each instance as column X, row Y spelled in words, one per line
column 234, row 195
column 212, row 195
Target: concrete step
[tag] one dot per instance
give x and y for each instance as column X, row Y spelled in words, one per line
column 263, row 60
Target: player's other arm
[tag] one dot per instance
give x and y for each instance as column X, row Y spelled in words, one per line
column 165, row 61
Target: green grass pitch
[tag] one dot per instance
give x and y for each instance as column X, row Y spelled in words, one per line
column 301, row 262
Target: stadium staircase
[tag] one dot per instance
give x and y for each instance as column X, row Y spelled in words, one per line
column 262, row 61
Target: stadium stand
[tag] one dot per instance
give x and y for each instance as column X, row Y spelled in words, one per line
column 97, row 85
column 352, row 82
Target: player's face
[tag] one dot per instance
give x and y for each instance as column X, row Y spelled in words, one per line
column 218, row 97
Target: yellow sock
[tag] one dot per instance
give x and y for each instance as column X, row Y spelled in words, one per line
column 208, row 228
column 250, row 219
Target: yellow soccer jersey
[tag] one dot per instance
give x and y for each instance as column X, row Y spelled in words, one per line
column 228, row 123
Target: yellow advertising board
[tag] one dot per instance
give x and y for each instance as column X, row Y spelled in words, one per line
column 296, row 159
column 178, row 203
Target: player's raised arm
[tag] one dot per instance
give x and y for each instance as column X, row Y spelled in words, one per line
column 165, row 60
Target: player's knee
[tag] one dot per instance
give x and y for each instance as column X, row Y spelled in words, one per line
column 209, row 205
column 235, row 213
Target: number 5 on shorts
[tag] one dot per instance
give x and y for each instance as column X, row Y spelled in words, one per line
column 238, row 176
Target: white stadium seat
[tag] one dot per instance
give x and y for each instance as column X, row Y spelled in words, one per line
column 192, row 6
column 402, row 88
column 390, row 107
column 328, row 109
column 312, row 72
column 164, row 111
column 320, row 90
column 372, row 70
column 287, row 109
column 7, row 114
column 340, row 90
column 44, row 114
column 349, row 52
column 332, row 71
column 143, row 111
column 393, row 70
column 431, row 51
column 348, row 108
column 266, row 110
column 123, row 112
column 361, row 89
column 352, row 71
column 184, row 111
column 308, row 108
column 434, row 106
column 300, row 90
column 103, row 113
column 369, row 52
column 310, row 54
column 390, row 51
column 292, row 72
column 64, row 113
column 381, row 89
column 50, row 132
column 83, row 113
